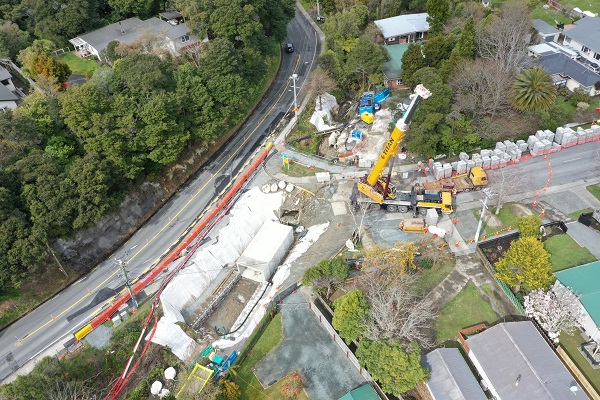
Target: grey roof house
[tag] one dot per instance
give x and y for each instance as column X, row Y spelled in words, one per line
column 404, row 28
column 516, row 363
column 565, row 71
column 8, row 100
column 547, row 32
column 451, row 378
column 172, row 35
column 585, row 38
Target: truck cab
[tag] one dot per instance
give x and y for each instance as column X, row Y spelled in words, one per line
column 478, row 177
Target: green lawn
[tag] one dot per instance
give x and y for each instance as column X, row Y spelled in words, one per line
column 571, row 344
column 299, row 170
column 505, row 215
column 566, row 253
column 79, row 65
column 563, row 103
column 551, row 15
column 595, row 190
column 575, row 215
column 249, row 385
column 468, row 308
column 428, row 279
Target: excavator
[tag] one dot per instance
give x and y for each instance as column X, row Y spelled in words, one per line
column 378, row 191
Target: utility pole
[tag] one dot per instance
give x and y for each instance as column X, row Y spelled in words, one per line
column 488, row 194
column 318, row 12
column 60, row 267
column 294, row 77
column 122, row 265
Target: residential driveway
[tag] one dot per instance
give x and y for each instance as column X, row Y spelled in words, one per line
column 308, row 349
column 586, row 237
column 567, row 202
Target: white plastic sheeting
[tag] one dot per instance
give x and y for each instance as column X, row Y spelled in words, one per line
column 329, row 107
column 282, row 273
column 266, row 251
column 172, row 336
column 247, row 217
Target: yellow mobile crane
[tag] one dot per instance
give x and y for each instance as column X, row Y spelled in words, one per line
column 376, row 190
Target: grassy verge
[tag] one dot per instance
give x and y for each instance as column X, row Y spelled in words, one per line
column 79, row 65
column 466, row 309
column 551, row 15
column 303, row 129
column 595, row 190
column 575, row 215
column 298, row 170
column 571, row 344
column 250, row 386
column 506, row 216
column 566, row 253
column 430, row 278
column 35, row 290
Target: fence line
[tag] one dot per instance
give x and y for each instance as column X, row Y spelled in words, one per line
column 349, row 354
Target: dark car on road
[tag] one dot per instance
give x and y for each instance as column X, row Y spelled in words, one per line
column 289, row 47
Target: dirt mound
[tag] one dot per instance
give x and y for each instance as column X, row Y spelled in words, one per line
column 492, row 220
column 520, row 210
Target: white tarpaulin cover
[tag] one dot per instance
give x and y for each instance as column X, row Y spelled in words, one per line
column 329, row 107
column 247, row 217
column 313, row 234
column 172, row 336
column 265, row 252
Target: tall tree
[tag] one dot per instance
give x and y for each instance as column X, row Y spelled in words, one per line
column 326, row 274
column 438, row 13
column 466, row 42
column 412, row 61
column 525, row 265
column 350, row 313
column 533, row 89
column 12, row 40
column 396, row 371
column 437, row 49
column 529, row 226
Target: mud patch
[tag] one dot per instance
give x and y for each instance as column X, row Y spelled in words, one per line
column 520, row 210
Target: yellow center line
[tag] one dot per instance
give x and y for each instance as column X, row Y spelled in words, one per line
column 54, row 317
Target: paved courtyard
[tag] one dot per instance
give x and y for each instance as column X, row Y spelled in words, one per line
column 308, row 349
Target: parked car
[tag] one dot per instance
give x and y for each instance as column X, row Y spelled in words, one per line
column 289, row 47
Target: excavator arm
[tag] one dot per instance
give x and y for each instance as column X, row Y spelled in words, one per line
column 372, row 185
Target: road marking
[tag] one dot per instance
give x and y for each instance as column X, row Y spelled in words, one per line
column 572, row 159
column 234, row 154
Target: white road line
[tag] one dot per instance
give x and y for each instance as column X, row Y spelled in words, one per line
column 572, row 159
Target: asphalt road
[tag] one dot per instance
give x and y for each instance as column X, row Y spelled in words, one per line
column 57, row 319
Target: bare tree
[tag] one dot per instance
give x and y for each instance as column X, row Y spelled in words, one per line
column 397, row 312
column 481, row 87
column 508, row 181
column 504, row 39
column 319, row 83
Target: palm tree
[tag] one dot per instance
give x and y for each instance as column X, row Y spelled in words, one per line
column 533, row 89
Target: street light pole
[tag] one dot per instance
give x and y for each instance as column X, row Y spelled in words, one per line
column 488, row 194
column 128, row 283
column 294, row 77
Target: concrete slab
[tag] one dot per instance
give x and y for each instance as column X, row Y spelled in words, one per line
column 586, row 237
column 99, row 338
column 567, row 202
column 339, row 208
column 467, row 224
column 308, row 349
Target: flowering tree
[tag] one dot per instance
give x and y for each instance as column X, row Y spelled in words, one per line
column 555, row 310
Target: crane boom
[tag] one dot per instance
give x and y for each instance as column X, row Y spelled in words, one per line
column 372, row 186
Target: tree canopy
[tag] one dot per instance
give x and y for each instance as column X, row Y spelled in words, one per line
column 525, row 265
column 350, row 313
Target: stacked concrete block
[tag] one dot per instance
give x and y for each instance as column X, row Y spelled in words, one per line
column 495, row 161
column 498, row 153
column 463, row 156
column 581, row 136
column 540, row 135
column 547, row 144
column 470, row 165
column 500, row 146
column 447, row 170
column 505, row 158
column 556, row 147
column 454, row 165
column 486, row 153
column 461, row 167
column 549, row 135
column 510, row 146
column 479, row 162
column 560, row 131
column 533, row 143
column 438, row 170
column 486, row 162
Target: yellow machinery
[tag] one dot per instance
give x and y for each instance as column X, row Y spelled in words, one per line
column 373, row 185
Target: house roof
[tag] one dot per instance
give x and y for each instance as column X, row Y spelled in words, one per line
column 129, row 31
column 7, row 95
column 586, row 32
column 584, row 281
column 514, row 352
column 451, row 378
column 170, row 14
column 403, row 24
column 544, row 28
column 365, row 392
column 561, row 64
column 4, row 74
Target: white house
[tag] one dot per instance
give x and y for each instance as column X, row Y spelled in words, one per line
column 406, row 28
column 172, row 34
column 585, row 38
